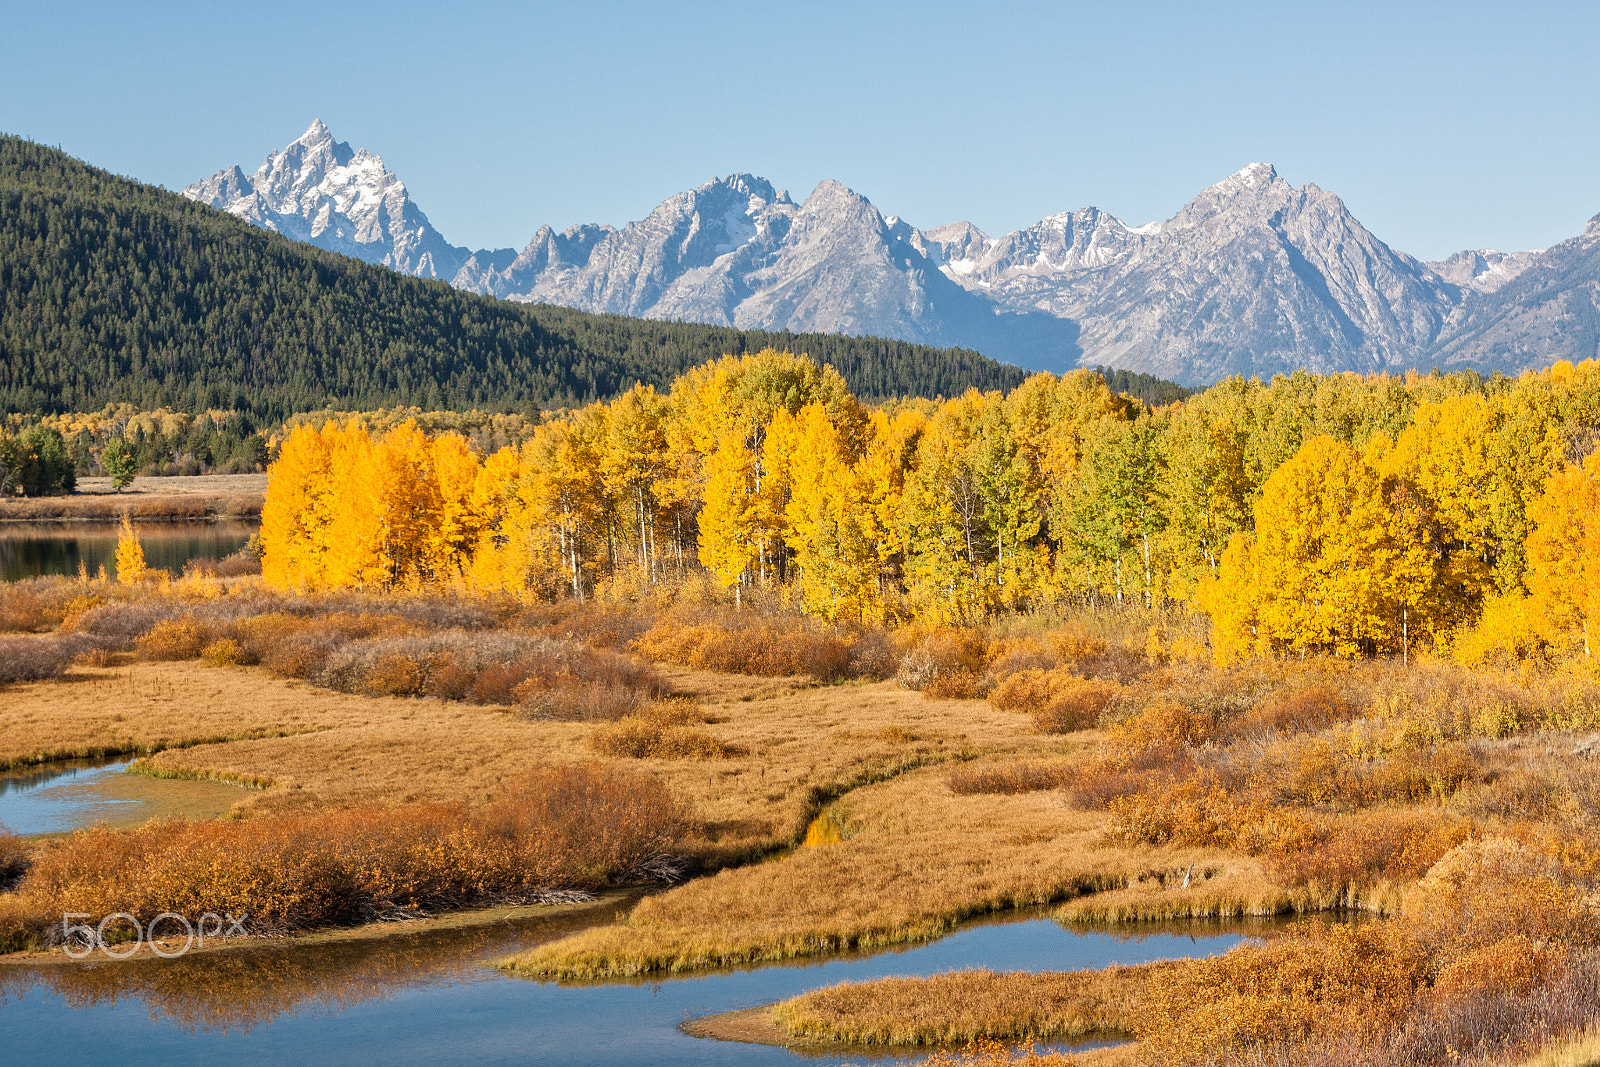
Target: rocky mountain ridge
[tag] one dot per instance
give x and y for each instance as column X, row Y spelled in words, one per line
column 1252, row 276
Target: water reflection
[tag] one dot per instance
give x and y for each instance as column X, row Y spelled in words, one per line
column 62, row 796
column 421, row 997
column 28, row 550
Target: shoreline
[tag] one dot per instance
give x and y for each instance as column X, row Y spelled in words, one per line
column 177, row 498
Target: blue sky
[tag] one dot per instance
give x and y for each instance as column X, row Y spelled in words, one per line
column 1443, row 126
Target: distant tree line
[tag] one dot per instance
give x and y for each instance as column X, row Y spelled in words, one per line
column 1157, row 392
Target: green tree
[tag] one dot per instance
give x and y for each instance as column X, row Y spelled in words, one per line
column 119, row 463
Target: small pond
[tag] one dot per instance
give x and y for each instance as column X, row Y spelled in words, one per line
column 28, row 550
column 60, row 797
column 427, row 998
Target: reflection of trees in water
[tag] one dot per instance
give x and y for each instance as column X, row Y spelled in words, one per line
column 20, row 781
column 55, row 549
column 238, row 989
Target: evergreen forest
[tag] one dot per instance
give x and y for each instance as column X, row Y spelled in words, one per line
column 117, row 292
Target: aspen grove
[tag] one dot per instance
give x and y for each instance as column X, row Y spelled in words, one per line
column 1310, row 514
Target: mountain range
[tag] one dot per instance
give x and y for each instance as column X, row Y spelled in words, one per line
column 1253, row 276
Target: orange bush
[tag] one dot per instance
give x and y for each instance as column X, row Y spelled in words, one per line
column 943, row 652
column 224, row 653
column 771, row 646
column 647, row 736
column 1164, row 722
column 1367, row 846
column 578, row 826
column 175, row 639
column 1305, row 710
column 1059, row 700
column 1073, row 643
column 1321, row 980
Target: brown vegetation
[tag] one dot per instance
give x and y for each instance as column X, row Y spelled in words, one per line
column 668, row 730
column 572, row 827
column 973, row 1005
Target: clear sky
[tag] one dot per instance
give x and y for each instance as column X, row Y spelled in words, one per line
column 1442, row 125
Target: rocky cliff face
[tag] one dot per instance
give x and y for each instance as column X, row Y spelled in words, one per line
column 1253, row 276
column 1549, row 311
column 320, row 191
column 1483, row 270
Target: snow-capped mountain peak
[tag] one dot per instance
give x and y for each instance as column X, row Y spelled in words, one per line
column 318, row 189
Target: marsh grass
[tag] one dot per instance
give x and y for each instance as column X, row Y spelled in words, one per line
column 665, row 730
column 973, row 1005
column 573, row 827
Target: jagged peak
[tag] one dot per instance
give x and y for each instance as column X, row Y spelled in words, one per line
column 316, row 133
column 1251, row 176
column 752, row 185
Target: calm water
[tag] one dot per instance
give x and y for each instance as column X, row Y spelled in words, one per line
column 28, row 550
column 60, row 797
column 426, row 998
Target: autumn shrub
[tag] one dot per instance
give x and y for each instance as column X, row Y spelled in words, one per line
column 1305, row 709
column 13, row 859
column 574, row 827
column 34, row 604
column 489, row 668
column 241, row 563
column 1020, row 776
column 765, row 645
column 173, row 639
column 581, row 701
column 940, row 654
column 1059, row 700
column 1073, row 643
column 660, row 731
column 1164, row 722
column 1364, row 847
column 225, row 652
column 1320, row 980
column 31, row 658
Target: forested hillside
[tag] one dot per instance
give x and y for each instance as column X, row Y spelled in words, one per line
column 115, row 291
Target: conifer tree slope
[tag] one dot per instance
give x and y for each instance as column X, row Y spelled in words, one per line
column 112, row 290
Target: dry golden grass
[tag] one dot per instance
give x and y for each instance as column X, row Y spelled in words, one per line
column 800, row 743
column 1580, row 1050
column 967, row 1006
column 913, row 861
column 142, row 708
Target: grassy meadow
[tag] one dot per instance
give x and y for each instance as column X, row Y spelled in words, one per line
column 411, row 754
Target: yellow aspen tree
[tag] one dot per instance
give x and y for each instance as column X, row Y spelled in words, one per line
column 1232, row 597
column 130, row 554
column 635, row 462
column 499, row 554
column 353, row 537
column 462, row 515
column 297, row 510
column 881, row 475
column 1449, row 456
column 780, row 448
column 948, row 541
column 827, row 518
column 1337, row 569
column 1564, row 548
column 729, row 518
